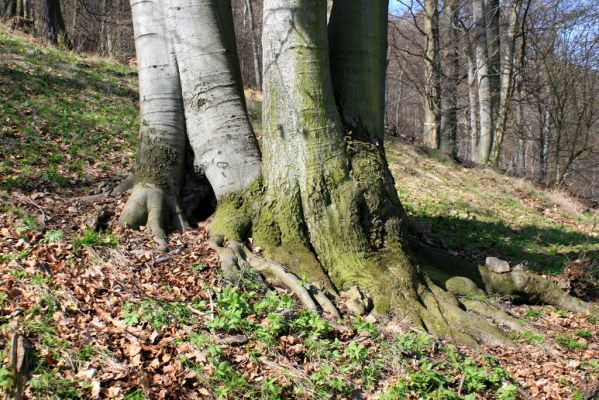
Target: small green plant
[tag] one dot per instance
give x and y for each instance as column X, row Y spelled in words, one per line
column 3, row 298
column 155, row 313
column 232, row 306
column 532, row 314
column 364, row 326
column 86, row 352
column 40, row 279
column 50, row 385
column 413, row 343
column 578, row 395
column 94, row 239
column 584, row 333
column 561, row 313
column 592, row 319
column 28, row 223
column 507, row 392
column 309, row 324
column 52, row 236
column 199, row 267
column 529, row 337
column 355, row 352
column 270, row 389
column 6, row 379
column 19, row 274
column 570, row 342
column 134, row 394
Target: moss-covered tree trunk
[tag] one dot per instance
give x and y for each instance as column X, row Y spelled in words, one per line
column 325, row 207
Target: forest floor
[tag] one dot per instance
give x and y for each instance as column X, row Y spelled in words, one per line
column 107, row 316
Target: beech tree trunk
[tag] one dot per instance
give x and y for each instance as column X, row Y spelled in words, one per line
column 432, row 86
column 49, row 23
column 249, row 11
column 326, row 205
column 451, row 74
column 174, row 40
column 485, row 98
column 507, row 79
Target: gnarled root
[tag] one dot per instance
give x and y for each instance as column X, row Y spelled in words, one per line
column 234, row 255
column 532, row 288
column 440, row 313
column 155, row 208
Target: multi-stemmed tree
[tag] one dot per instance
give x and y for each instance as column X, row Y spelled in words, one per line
column 317, row 196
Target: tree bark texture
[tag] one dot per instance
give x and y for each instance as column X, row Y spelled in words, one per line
column 507, row 79
column 327, row 181
column 432, row 80
column 49, row 23
column 485, row 98
column 451, row 75
column 178, row 105
column 326, row 205
column 249, row 11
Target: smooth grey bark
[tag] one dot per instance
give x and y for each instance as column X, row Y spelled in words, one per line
column 507, row 79
column 485, row 102
column 431, row 136
column 473, row 115
column 357, row 50
column 451, row 74
column 190, row 91
column 158, row 170
column 218, row 128
column 324, row 174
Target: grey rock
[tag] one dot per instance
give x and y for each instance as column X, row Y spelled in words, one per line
column 498, row 266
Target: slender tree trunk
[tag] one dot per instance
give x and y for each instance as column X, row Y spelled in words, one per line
column 507, row 81
column 254, row 43
column 485, row 98
column 14, row 8
column 432, row 108
column 473, row 114
column 399, row 93
column 449, row 98
column 544, row 140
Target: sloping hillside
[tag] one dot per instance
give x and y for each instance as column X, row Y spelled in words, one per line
column 478, row 212
column 108, row 317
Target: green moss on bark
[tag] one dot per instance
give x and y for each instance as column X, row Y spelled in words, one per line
column 235, row 212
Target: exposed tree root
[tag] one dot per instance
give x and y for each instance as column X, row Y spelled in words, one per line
column 449, row 307
column 124, row 185
column 153, row 207
column 465, row 279
column 234, row 254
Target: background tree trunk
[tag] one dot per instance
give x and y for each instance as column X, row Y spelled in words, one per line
column 49, row 23
column 432, row 85
column 451, row 74
column 507, row 79
column 249, row 10
column 485, row 101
